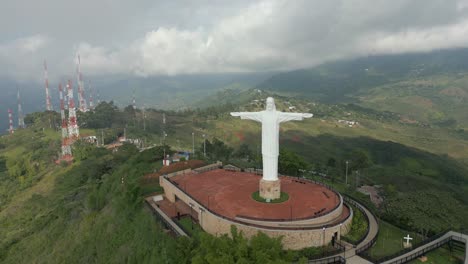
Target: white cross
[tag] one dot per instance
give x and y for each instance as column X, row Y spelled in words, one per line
column 408, row 238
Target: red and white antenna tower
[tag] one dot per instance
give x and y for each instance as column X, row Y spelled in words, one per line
column 81, row 97
column 46, row 77
column 73, row 130
column 98, row 95
column 20, row 111
column 66, row 149
column 91, row 101
column 10, row 118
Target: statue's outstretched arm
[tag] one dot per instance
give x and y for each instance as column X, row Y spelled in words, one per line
column 256, row 116
column 284, row 117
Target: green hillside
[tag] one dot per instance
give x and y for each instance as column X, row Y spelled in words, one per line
column 423, row 87
column 92, row 211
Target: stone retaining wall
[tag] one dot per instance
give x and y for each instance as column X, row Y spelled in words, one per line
column 296, row 238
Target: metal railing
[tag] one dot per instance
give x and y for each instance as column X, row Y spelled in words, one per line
column 237, row 221
column 337, row 259
column 416, row 254
column 163, row 221
column 360, row 207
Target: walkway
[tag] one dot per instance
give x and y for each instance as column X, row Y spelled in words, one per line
column 166, row 219
column 350, row 252
column 449, row 235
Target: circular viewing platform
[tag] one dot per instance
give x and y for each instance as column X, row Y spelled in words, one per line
column 229, row 194
column 313, row 214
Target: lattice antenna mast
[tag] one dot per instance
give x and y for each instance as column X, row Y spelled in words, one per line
column 10, row 118
column 98, row 95
column 20, row 111
column 66, row 149
column 81, row 97
column 46, row 80
column 144, row 117
column 91, row 101
column 73, row 129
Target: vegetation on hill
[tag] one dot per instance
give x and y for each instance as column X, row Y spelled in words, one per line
column 92, row 211
column 423, row 87
column 323, row 145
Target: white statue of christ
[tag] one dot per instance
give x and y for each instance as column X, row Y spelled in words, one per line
column 271, row 119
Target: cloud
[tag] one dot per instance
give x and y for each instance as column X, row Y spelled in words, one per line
column 17, row 56
column 181, row 37
column 441, row 37
column 25, row 45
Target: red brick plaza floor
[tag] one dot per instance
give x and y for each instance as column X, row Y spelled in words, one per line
column 229, row 193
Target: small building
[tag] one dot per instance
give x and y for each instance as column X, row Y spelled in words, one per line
column 90, row 139
column 179, row 155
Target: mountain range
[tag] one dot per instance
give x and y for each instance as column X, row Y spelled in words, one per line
column 423, row 87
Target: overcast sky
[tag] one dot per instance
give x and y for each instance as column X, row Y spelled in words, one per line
column 148, row 37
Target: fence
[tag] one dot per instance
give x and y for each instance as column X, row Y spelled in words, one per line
column 416, row 254
column 361, row 207
column 337, row 259
column 163, row 221
column 210, row 167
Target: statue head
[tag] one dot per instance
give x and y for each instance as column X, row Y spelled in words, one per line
column 270, row 104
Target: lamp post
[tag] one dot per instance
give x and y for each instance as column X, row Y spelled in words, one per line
column 323, row 236
column 347, row 172
column 323, row 245
column 204, row 145
column 193, row 143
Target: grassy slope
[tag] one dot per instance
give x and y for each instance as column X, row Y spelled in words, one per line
column 429, row 100
column 390, row 240
column 53, row 218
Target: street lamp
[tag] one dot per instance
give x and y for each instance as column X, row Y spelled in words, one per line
column 323, row 236
column 193, row 143
column 347, row 172
column 323, row 241
column 204, row 145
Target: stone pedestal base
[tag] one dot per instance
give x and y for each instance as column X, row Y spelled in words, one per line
column 407, row 245
column 270, row 189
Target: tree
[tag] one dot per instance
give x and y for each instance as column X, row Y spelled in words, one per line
column 290, row 163
column 244, row 152
column 331, row 162
column 217, row 150
column 359, row 160
column 104, row 115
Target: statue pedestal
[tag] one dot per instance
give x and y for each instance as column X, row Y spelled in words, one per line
column 407, row 245
column 270, row 189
